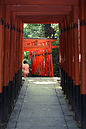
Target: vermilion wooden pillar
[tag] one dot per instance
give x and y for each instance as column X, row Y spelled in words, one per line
column 61, row 57
column 72, row 57
column 76, row 63
column 1, row 62
column 60, row 36
column 69, row 43
column 83, row 61
column 31, row 61
column 6, row 50
column 14, row 47
column 36, row 62
column 6, row 92
column 67, row 34
column 69, row 58
column 60, row 43
column 51, row 61
column 65, row 51
column 19, row 44
column 1, row 48
column 39, row 63
column 43, row 63
column 49, row 70
column 21, row 49
column 65, row 42
column 46, row 68
column 22, row 38
column 12, row 51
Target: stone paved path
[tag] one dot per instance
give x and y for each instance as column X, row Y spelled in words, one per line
column 41, row 105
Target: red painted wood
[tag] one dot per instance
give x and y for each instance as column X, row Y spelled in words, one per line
column 6, row 52
column 1, row 49
column 76, row 49
column 34, row 61
column 52, row 74
column 12, row 52
column 40, row 9
column 39, row 63
column 31, row 61
column 38, row 40
column 68, row 46
column 49, row 70
column 46, row 62
column 42, row 2
column 83, row 46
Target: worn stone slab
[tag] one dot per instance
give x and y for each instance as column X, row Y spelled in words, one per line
column 41, row 105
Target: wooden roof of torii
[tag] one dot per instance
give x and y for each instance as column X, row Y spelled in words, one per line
column 40, row 11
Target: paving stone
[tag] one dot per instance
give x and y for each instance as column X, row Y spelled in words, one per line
column 69, row 118
column 41, row 105
column 66, row 110
column 72, row 125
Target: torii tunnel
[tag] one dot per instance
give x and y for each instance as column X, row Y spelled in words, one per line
column 71, row 17
column 40, row 56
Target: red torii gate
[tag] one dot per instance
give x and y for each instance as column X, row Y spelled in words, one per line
column 40, row 55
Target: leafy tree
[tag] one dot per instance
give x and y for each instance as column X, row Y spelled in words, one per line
column 34, row 31
column 26, row 56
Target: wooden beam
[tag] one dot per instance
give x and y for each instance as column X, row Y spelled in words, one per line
column 42, row 13
column 41, row 19
column 41, row 2
column 40, row 8
column 39, row 40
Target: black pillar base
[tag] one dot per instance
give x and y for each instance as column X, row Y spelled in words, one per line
column 12, row 87
column 67, row 85
column 5, row 103
column 77, row 102
column 73, row 106
column 83, row 111
column 1, row 109
column 11, row 95
column 70, row 90
column 62, row 73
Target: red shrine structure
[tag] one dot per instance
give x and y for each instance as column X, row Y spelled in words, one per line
column 71, row 17
column 41, row 56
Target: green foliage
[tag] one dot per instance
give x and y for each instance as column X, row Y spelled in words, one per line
column 26, row 56
column 56, row 29
column 34, row 31
column 41, row 31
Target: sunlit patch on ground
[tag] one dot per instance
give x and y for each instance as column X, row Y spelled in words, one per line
column 49, row 82
column 31, row 80
column 58, row 87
